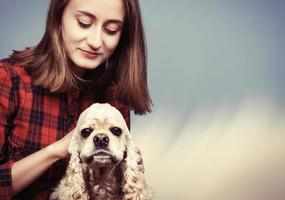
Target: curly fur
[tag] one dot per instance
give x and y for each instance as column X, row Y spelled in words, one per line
column 122, row 181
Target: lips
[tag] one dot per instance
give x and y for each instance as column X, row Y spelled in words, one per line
column 90, row 54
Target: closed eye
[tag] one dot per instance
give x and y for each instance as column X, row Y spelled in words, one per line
column 111, row 32
column 112, row 27
column 83, row 25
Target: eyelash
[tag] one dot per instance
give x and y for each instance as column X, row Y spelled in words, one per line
column 83, row 25
column 110, row 32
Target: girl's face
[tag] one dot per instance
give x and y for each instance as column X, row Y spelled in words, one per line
column 91, row 30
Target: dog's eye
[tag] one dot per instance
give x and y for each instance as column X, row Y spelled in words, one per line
column 116, row 131
column 86, row 132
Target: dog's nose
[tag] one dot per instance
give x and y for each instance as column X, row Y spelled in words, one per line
column 101, row 140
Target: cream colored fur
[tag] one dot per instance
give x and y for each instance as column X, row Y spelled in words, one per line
column 123, row 180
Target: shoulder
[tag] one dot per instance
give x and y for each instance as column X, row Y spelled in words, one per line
column 11, row 85
column 13, row 71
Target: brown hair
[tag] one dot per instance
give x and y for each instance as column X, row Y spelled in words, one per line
column 49, row 65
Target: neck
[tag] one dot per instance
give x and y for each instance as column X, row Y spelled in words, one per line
column 105, row 183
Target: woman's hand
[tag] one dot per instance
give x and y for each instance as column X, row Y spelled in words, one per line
column 60, row 148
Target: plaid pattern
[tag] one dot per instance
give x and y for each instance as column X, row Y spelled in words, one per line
column 32, row 118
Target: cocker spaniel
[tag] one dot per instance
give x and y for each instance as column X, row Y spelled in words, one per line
column 104, row 163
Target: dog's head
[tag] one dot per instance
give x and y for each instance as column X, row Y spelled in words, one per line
column 101, row 136
column 102, row 140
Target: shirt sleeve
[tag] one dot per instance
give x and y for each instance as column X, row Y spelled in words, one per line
column 7, row 105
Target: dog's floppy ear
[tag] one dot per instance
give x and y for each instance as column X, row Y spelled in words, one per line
column 134, row 185
column 74, row 143
column 72, row 186
column 75, row 138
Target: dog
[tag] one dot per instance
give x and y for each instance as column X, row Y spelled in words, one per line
column 104, row 163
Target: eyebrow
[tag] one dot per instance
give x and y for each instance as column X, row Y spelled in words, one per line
column 118, row 21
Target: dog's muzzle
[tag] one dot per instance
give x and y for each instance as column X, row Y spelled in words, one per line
column 101, row 141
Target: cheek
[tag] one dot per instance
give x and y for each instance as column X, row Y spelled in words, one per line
column 71, row 34
column 117, row 146
column 87, row 146
column 111, row 43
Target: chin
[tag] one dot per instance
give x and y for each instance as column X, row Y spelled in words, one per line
column 85, row 63
column 88, row 65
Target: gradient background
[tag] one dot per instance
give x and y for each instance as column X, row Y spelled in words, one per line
column 216, row 76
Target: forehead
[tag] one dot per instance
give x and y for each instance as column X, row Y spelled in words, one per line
column 100, row 123
column 101, row 9
column 101, row 113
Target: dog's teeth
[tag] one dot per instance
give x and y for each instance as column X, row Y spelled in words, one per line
column 102, row 158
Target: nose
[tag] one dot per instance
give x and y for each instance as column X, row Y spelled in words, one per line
column 94, row 38
column 101, row 140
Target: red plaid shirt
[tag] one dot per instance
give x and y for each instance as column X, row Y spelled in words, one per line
column 31, row 118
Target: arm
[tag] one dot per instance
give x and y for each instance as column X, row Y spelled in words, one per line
column 14, row 176
column 38, row 163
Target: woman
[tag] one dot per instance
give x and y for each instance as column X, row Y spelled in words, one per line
column 92, row 51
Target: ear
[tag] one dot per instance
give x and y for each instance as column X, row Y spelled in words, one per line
column 134, row 185
column 74, row 150
column 74, row 143
column 72, row 185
